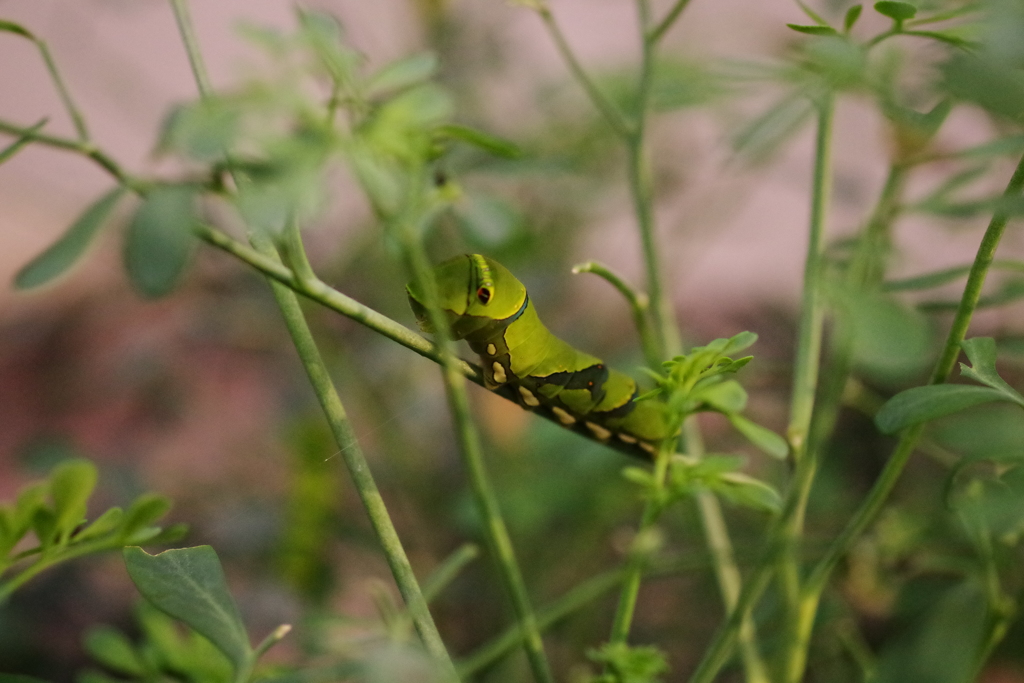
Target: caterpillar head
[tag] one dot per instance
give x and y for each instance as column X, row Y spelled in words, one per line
column 475, row 292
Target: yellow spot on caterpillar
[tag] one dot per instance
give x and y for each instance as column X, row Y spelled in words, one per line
column 491, row 350
column 563, row 417
column 528, row 397
column 647, row 447
column 626, row 438
column 499, row 373
column 599, row 431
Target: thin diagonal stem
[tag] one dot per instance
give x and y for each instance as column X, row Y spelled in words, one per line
column 609, row 110
column 495, row 529
column 327, row 395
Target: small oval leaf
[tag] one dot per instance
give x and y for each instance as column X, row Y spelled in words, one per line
column 63, row 253
column 852, row 15
column 762, row 437
column 160, row 240
column 71, row 485
column 922, row 404
column 898, row 11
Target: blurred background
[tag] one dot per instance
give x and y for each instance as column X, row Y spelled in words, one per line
column 200, row 396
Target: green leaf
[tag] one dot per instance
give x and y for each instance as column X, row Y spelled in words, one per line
column 630, row 664
column 922, row 404
column 160, row 240
column 852, row 15
column 146, row 509
column 489, row 143
column 982, row 353
column 63, row 253
column 993, row 85
column 103, row 524
column 112, row 649
column 18, row 29
column 204, row 130
column 71, row 485
column 188, row 584
column 21, row 142
column 744, row 490
column 762, row 437
column 403, row 74
column 890, row 342
column 725, row 397
column 898, row 11
column 44, row 524
column 814, row 30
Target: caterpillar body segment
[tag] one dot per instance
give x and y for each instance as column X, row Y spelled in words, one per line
column 489, row 308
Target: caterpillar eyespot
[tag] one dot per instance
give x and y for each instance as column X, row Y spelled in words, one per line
column 536, row 368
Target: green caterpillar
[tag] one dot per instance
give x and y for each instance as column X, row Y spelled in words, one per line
column 489, row 308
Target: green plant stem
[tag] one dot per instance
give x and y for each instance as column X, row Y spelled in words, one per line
column 78, row 146
column 330, row 402
column 609, row 110
column 872, row 504
column 639, row 304
column 577, row 598
column 62, row 90
column 495, row 530
column 656, row 34
column 45, row 561
column 633, row 572
column 359, row 469
column 808, row 359
column 730, row 582
column 188, row 37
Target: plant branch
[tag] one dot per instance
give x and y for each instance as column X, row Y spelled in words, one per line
column 407, row 226
column 609, row 110
column 330, row 402
column 656, row 34
column 883, row 486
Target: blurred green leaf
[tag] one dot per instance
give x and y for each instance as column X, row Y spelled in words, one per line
column 146, row 509
column 780, row 122
column 63, row 253
column 898, row 11
column 813, row 30
column 922, row 404
column 629, row 664
column 105, row 523
column 112, row 649
column 205, row 130
column 71, row 485
column 851, row 17
column 189, row 585
column 402, row 74
column 488, row 222
column 726, row 397
column 762, row 437
column 322, row 32
column 987, row 83
column 744, row 490
column 890, row 342
column 159, row 241
column 941, row 643
column 485, row 141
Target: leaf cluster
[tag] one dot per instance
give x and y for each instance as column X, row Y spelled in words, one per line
column 53, row 511
column 698, row 381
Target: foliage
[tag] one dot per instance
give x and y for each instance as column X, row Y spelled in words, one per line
column 799, row 584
